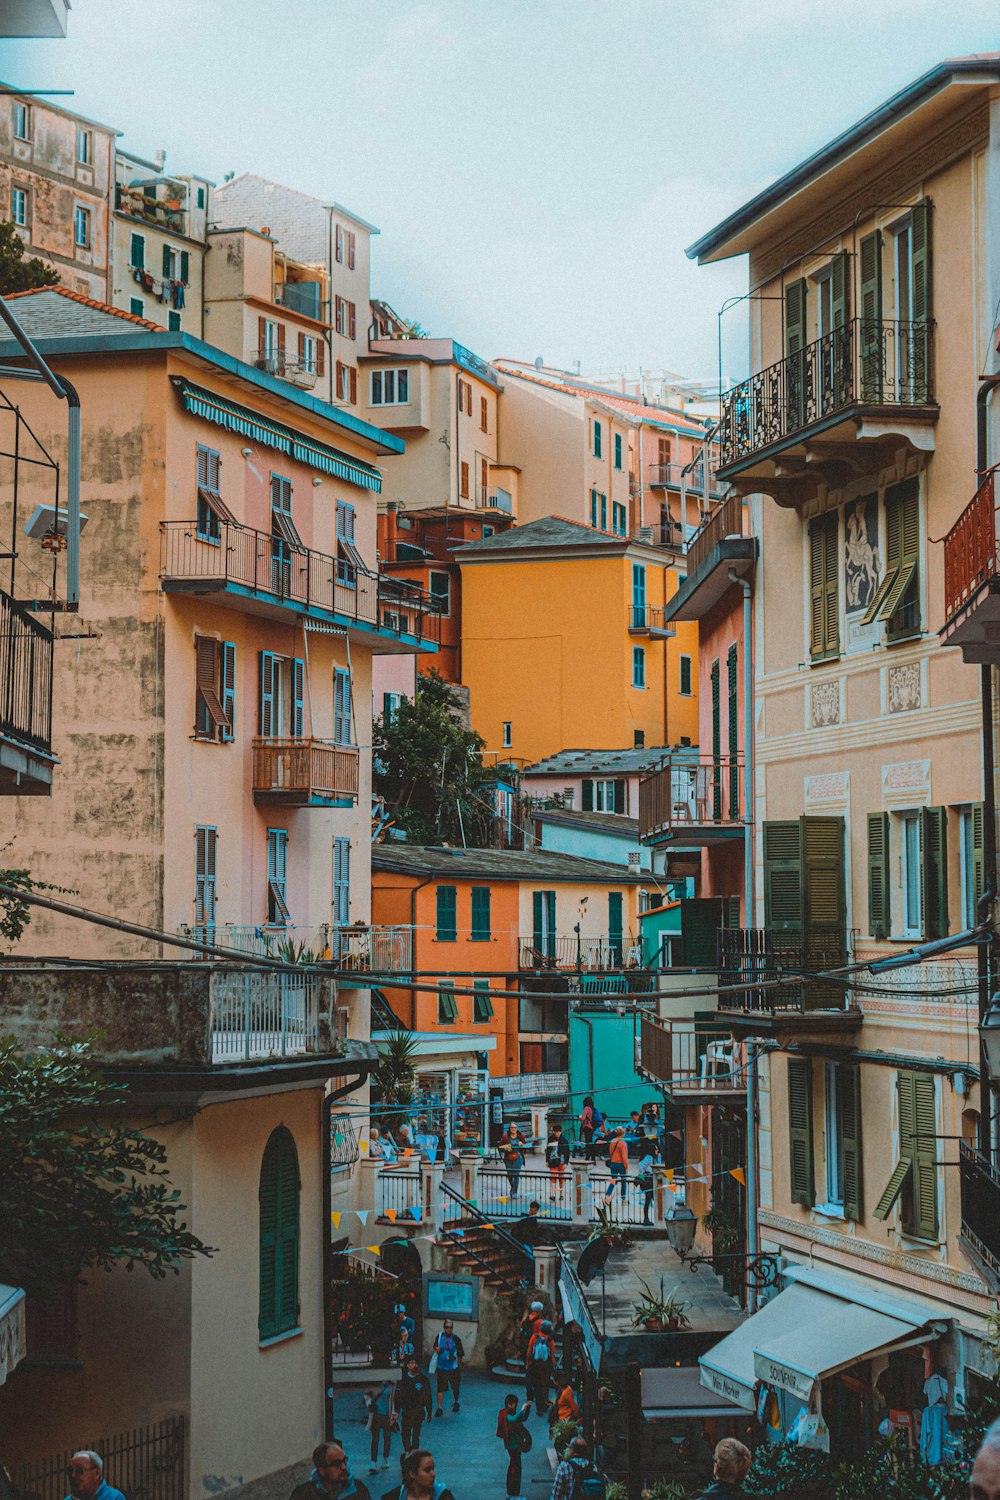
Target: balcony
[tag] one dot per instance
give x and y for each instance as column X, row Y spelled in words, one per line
column 696, row 1061
column 304, row 773
column 257, row 571
column 373, row 950
column 693, row 800
column 305, row 297
column 980, row 1233
column 721, row 545
column 752, row 959
column 807, row 418
column 26, row 758
column 492, row 497
column 301, row 372
column 649, row 620
column 590, row 955
column 673, row 477
column 972, row 578
column 167, row 209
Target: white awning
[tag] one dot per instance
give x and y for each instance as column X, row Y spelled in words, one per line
column 678, row 1392
column 728, row 1367
column 13, row 1341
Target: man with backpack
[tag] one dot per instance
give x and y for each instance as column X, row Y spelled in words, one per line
column 539, row 1366
column 578, row 1477
column 557, row 1160
column 447, row 1358
column 512, row 1429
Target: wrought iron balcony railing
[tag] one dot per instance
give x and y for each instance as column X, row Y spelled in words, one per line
column 980, row 1189
column 25, row 676
column 864, row 363
column 972, row 548
column 684, row 794
column 750, row 957
column 726, row 521
column 648, row 619
column 691, row 1060
column 299, row 771
column 566, row 951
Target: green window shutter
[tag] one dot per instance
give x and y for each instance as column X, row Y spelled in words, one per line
column 783, row 894
column 978, row 816
column 897, row 1182
column 879, row 918
column 278, row 1198
column 588, row 796
column 800, row 1131
column 716, row 741
column 795, row 316
column 934, row 871
column 544, row 923
column 619, row 796
column 480, row 913
column 795, row 339
column 536, row 925
column 550, row 911
column 919, row 343
column 701, row 919
column 849, row 1115
column 872, row 356
column 730, row 911
column 447, row 913
column 840, row 289
column 288, row 1236
column 824, row 907
column 732, row 669
column 615, row 924
column 924, row 1157
column 267, row 1194
column 185, row 266
column 824, row 597
column 447, row 1005
column 137, row 254
column 167, row 260
column 482, row 1005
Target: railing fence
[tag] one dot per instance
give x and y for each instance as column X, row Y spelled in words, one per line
column 145, row 1463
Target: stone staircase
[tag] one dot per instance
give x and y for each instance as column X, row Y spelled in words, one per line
column 478, row 1247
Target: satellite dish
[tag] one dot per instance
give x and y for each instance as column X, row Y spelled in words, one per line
column 539, row 362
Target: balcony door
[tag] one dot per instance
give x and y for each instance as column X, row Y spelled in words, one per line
column 833, row 365
column 911, row 282
column 282, row 696
column 805, row 899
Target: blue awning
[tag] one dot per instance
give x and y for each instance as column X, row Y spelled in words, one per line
column 250, row 424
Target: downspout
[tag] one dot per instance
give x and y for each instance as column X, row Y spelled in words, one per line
column 753, row 1232
column 326, row 1257
column 984, row 951
column 413, row 949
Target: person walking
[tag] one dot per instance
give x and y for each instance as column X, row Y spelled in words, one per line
column 85, row 1472
column 512, row 1147
column 413, row 1403
column 331, row 1477
column 420, row 1481
column 565, row 1408
column 529, row 1324
column 450, row 1354
column 645, row 1182
column 578, row 1477
column 557, row 1160
column 617, row 1164
column 588, row 1120
column 512, row 1430
column 381, row 1404
column 730, row 1467
column 539, row 1367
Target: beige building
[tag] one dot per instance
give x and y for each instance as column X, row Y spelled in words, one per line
column 57, row 170
column 159, row 230
column 874, row 278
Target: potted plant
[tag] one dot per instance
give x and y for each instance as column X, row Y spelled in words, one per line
column 725, row 1234
column 616, row 1236
column 659, row 1314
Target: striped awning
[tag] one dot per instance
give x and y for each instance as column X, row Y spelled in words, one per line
column 212, row 407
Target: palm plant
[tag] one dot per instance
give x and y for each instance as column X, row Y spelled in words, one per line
column 396, row 1072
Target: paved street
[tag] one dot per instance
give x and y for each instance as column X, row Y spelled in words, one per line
column 469, row 1457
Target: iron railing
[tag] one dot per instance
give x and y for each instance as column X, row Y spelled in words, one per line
column 298, row 769
column 979, row 1182
column 559, row 951
column 264, row 1015
column 502, row 1242
column 643, row 618
column 685, row 793
column 972, row 548
column 397, row 1196
column 725, row 521
column 522, row 1088
column 261, row 941
column 145, row 1463
column 865, row 362
column 673, row 477
column 25, row 676
column 751, row 957
column 382, row 950
column 691, row 1058
column 491, row 497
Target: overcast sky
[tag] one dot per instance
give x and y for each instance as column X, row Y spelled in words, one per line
column 536, row 167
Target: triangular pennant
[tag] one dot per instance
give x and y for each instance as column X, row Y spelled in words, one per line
column 336, row 1217
column 670, row 1175
column 362, row 1214
column 677, row 1134
column 408, row 1151
column 374, row 1249
column 503, row 1200
column 739, row 1174
column 390, row 1214
column 416, row 1212
column 364, row 1146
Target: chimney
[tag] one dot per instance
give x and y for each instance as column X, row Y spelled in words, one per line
column 161, row 157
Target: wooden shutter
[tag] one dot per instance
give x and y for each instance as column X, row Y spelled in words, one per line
column 481, row 1002
column 824, row 594
column 205, row 843
column 701, row 919
column 924, row 1156
column 261, row 337
column 342, row 707
column 716, row 741
column 544, row 923
column 447, row 913
column 281, row 338
column 795, row 316
column 879, row 917
column 354, row 385
column 138, row 255
column 934, row 871
column 536, row 920
column 615, row 924
column 321, row 356
column 870, row 256
column 464, row 480
column 483, row 414
column 619, row 794
column 267, row 1199
column 825, row 895
column 480, row 913
column 228, row 680
column 550, row 913
column 302, row 348
column 298, row 698
column 840, row 288
column 802, row 1187
column 732, row 670
column 978, row 817
column 783, row 894
column 278, row 1196
column 849, row 1115
column 588, row 796
column 353, row 321
column 167, row 261
column 919, row 339
column 185, row 266
column 268, row 687
column 288, row 1235
column 206, row 677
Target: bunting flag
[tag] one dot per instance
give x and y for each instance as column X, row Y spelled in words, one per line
column 408, row 1151
column 362, row 1214
column 503, row 1200
column 677, row 1134
column 363, row 1146
column 390, row 1214
column 339, row 1140
column 670, row 1175
column 739, row 1174
column 374, row 1249
column 335, row 1217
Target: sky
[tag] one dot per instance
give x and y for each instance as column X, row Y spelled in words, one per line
column 536, row 167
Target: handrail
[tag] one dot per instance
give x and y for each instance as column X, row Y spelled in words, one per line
column 524, row 1251
column 569, row 1270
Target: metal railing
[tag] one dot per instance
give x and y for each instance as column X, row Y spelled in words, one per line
column 397, row 1196
column 749, row 956
column 980, row 1192
column 278, row 362
column 491, row 497
column 684, row 793
column 672, row 477
column 25, row 676
column 405, row 609
column 263, row 1015
column 647, row 617
column 305, row 297
column 726, row 520
column 691, row 1060
column 557, row 951
column 504, row 1243
column 305, row 768
column 145, row 1463
column 380, row 950
column 262, row 941
column 972, row 548
column 866, row 362
column 521, row 1088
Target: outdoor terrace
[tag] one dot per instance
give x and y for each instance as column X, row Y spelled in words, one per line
column 980, row 1193
column 721, row 545
column 697, row 801
column 751, row 959
column 696, row 1060
column 972, row 578
column 304, row 773
column 674, row 477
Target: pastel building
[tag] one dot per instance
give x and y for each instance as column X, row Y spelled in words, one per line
column 159, row 230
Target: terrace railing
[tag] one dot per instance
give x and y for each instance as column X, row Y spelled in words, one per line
column 25, row 676
column 752, row 956
column 972, row 548
column 725, row 521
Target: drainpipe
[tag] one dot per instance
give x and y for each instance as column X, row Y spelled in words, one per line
column 984, row 951
column 753, row 1234
column 326, row 1257
column 413, row 949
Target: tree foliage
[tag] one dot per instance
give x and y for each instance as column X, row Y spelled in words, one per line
column 78, row 1189
column 17, row 273
column 430, row 771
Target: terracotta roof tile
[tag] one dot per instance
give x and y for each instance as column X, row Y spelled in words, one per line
column 84, row 301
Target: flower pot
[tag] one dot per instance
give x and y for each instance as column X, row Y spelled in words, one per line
column 654, row 1325
column 673, row 1323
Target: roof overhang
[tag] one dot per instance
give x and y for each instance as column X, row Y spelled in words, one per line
column 703, row 588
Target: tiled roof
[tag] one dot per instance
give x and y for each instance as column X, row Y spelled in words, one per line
column 56, row 312
column 628, row 762
column 656, row 416
column 549, row 531
column 497, row 864
column 597, row 822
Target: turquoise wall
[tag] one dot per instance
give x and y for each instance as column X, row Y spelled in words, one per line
column 607, row 1071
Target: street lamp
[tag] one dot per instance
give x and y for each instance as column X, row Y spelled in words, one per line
column 989, row 1033
column 761, row 1270
column 680, row 1226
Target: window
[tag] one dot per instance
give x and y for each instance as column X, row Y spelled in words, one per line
column 842, row 1139
column 914, row 1177
column 463, row 483
column 278, row 1198
column 897, row 598
column 390, row 387
column 831, row 1130
column 685, row 676
column 351, row 249
column 619, row 518
column 390, row 705
column 484, row 414
column 81, row 227
column 341, row 882
column 604, row 795
column 282, row 696
column 215, row 688
column 971, row 861
column 488, row 531
column 733, row 719
column 345, row 317
column 543, row 936
column 200, row 197
column 349, row 560
column 618, row 450
column 911, row 874
column 447, row 913
column 440, row 590
column 482, row 1005
column 84, row 147
column 206, row 842
column 923, row 873
column 342, row 707
column 173, row 322
column 615, row 931
column 663, row 451
column 465, row 396
column 307, row 353
column 804, row 884
column 638, row 666
column 339, row 252
column 597, row 439
column 212, row 512
column 638, row 596
column 285, row 539
column 135, row 307
column 19, row 206
column 176, row 267
column 824, row 597
column 137, row 252
column 508, row 734
column 22, row 121
column 480, row 914
column 447, row 1005
column 277, row 876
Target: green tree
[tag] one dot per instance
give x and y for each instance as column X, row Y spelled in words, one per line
column 79, row 1190
column 16, row 273
column 430, row 770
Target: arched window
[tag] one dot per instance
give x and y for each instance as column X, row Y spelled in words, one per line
column 279, row 1236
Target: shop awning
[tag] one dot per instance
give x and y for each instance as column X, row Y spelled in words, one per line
column 816, row 1326
column 678, row 1392
column 13, row 1341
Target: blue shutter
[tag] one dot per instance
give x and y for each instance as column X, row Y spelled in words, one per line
column 298, row 698
column 615, row 925
column 342, row 706
column 267, row 688
column 229, row 689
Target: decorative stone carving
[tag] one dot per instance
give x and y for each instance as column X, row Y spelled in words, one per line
column 904, row 687
column 825, row 699
column 834, row 786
